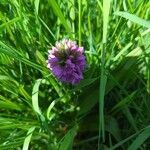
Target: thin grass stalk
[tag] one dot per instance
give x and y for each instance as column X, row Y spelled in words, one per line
column 79, row 21
column 103, row 78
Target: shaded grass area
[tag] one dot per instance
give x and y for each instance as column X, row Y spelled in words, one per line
column 39, row 112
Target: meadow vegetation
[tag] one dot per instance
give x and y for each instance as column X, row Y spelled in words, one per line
column 109, row 109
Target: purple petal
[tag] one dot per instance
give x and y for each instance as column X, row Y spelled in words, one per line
column 67, row 61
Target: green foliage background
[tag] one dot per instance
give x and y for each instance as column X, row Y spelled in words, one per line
column 109, row 109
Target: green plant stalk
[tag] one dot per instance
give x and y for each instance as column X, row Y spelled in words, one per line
column 103, row 78
column 79, row 21
column 148, row 77
column 71, row 7
column 103, row 81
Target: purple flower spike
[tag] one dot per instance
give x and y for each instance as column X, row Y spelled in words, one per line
column 67, row 61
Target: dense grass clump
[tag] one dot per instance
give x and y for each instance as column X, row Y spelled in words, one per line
column 109, row 108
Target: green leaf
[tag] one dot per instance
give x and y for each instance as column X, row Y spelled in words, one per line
column 103, row 76
column 67, row 141
column 112, row 127
column 49, row 113
column 140, row 139
column 48, row 29
column 36, row 3
column 106, row 8
column 133, row 18
column 24, row 93
column 3, row 26
column 84, row 83
column 28, row 138
column 9, row 105
column 59, row 14
column 89, row 100
column 124, row 101
column 79, row 21
column 17, row 55
column 3, row 77
column 35, row 92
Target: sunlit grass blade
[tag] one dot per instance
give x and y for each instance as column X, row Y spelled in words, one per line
column 36, row 3
column 8, row 105
column 59, row 14
column 13, row 144
column 49, row 113
column 79, row 21
column 10, row 22
column 106, row 9
column 133, row 18
column 35, row 92
column 28, row 138
column 16, row 55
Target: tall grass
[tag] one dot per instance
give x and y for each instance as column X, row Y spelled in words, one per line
column 109, row 109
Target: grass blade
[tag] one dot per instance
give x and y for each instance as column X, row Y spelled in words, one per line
column 18, row 56
column 59, row 14
column 67, row 141
column 124, row 102
column 28, row 138
column 35, row 96
column 79, row 21
column 10, row 22
column 140, row 139
column 106, row 8
column 36, row 3
column 103, row 79
column 9, row 105
column 133, row 18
